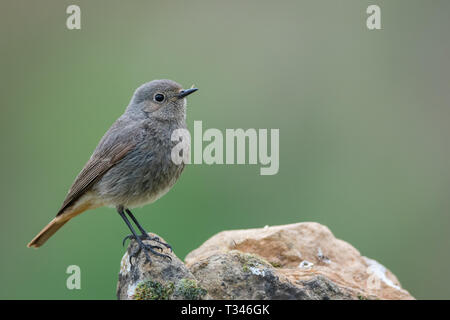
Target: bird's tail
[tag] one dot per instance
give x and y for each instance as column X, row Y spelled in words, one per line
column 61, row 219
column 47, row 232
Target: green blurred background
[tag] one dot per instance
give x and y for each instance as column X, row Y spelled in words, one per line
column 363, row 118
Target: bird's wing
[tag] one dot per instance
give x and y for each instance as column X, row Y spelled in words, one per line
column 108, row 153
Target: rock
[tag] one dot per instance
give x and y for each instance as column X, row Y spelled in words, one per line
column 163, row 279
column 236, row 275
column 297, row 261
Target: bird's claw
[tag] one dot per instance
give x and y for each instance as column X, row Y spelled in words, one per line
column 157, row 239
column 147, row 247
column 147, row 237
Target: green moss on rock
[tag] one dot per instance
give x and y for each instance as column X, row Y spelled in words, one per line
column 189, row 289
column 249, row 261
column 152, row 290
column 275, row 264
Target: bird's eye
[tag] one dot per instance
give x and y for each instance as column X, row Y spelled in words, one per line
column 159, row 97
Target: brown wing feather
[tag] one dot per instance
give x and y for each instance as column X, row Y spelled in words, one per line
column 96, row 167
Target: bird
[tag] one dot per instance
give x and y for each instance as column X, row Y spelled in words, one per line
column 131, row 165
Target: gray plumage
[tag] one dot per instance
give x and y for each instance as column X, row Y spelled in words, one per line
column 132, row 165
column 147, row 171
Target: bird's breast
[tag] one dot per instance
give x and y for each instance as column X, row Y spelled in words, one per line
column 142, row 176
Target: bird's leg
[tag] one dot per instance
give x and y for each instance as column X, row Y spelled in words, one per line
column 142, row 246
column 144, row 233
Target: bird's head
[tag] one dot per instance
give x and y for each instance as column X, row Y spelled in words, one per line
column 160, row 99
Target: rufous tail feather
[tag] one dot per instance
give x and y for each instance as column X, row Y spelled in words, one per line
column 57, row 223
column 47, row 232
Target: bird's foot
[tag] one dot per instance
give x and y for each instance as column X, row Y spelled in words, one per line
column 147, row 237
column 147, row 248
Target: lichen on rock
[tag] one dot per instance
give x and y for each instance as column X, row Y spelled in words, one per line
column 153, row 290
column 190, row 290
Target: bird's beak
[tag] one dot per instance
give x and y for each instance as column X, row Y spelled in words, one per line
column 185, row 93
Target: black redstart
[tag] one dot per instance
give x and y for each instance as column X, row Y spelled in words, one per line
column 132, row 165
